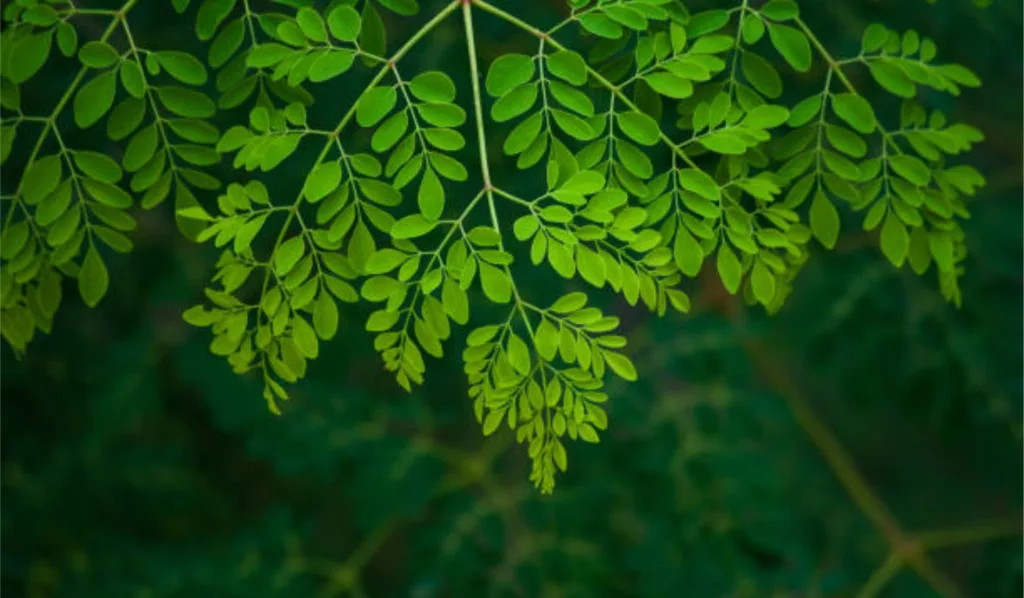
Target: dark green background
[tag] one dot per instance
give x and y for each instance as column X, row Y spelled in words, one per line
column 136, row 464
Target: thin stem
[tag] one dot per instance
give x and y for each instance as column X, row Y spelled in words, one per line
column 969, row 534
column 830, row 448
column 878, row 580
column 474, row 74
column 478, row 107
column 737, row 49
column 513, row 198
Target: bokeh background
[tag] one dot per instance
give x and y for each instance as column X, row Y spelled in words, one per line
column 756, row 456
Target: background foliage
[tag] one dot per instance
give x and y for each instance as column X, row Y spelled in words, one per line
column 137, row 463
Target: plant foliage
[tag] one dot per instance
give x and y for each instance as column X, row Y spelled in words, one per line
column 661, row 141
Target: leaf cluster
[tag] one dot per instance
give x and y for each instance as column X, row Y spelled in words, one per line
column 663, row 143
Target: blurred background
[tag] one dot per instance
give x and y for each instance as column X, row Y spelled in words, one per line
column 756, row 456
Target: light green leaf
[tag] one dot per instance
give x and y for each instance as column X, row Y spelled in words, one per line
column 639, row 127
column 227, row 43
column 288, row 254
column 573, row 125
column 781, row 10
column 700, row 183
column 670, row 85
column 911, row 168
column 322, row 180
column 895, row 240
column 919, row 253
column 518, row 353
column 763, row 283
column 569, row 66
column 493, row 420
column 523, row 134
column 626, row 15
column 374, row 105
column 107, row 194
column 186, row 102
column 571, row 98
column 97, row 54
column 388, row 134
column 766, row 117
column 874, row 37
column 182, row 66
column 412, row 226
column 792, row 44
column 729, row 269
column 804, row 111
column 267, row 54
column 620, row 364
column 514, row 103
column 892, row 79
column 508, row 72
column 445, row 139
column 941, row 246
column 344, row 23
column 586, row 182
column 634, row 160
column 406, row 8
column 442, row 115
column 569, row 303
column 448, row 167
column 42, row 177
column 385, row 260
column 687, row 252
column 761, row 74
column 94, row 99
column 455, row 301
column 846, row 140
column 67, row 39
column 600, row 25
column 380, row 192
column 330, row 64
column 677, row 36
column 372, row 35
column 433, row 86
column 495, row 284
column 312, row 24
column 32, row 51
column 960, row 74
column 824, row 220
column 140, row 148
column 855, row 110
column 431, row 196
column 590, row 266
column 93, row 278
column 379, row 288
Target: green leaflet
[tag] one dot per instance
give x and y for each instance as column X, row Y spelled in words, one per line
column 93, row 279
column 344, row 23
column 792, row 44
column 508, row 72
column 639, row 127
column 94, row 99
column 855, row 110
